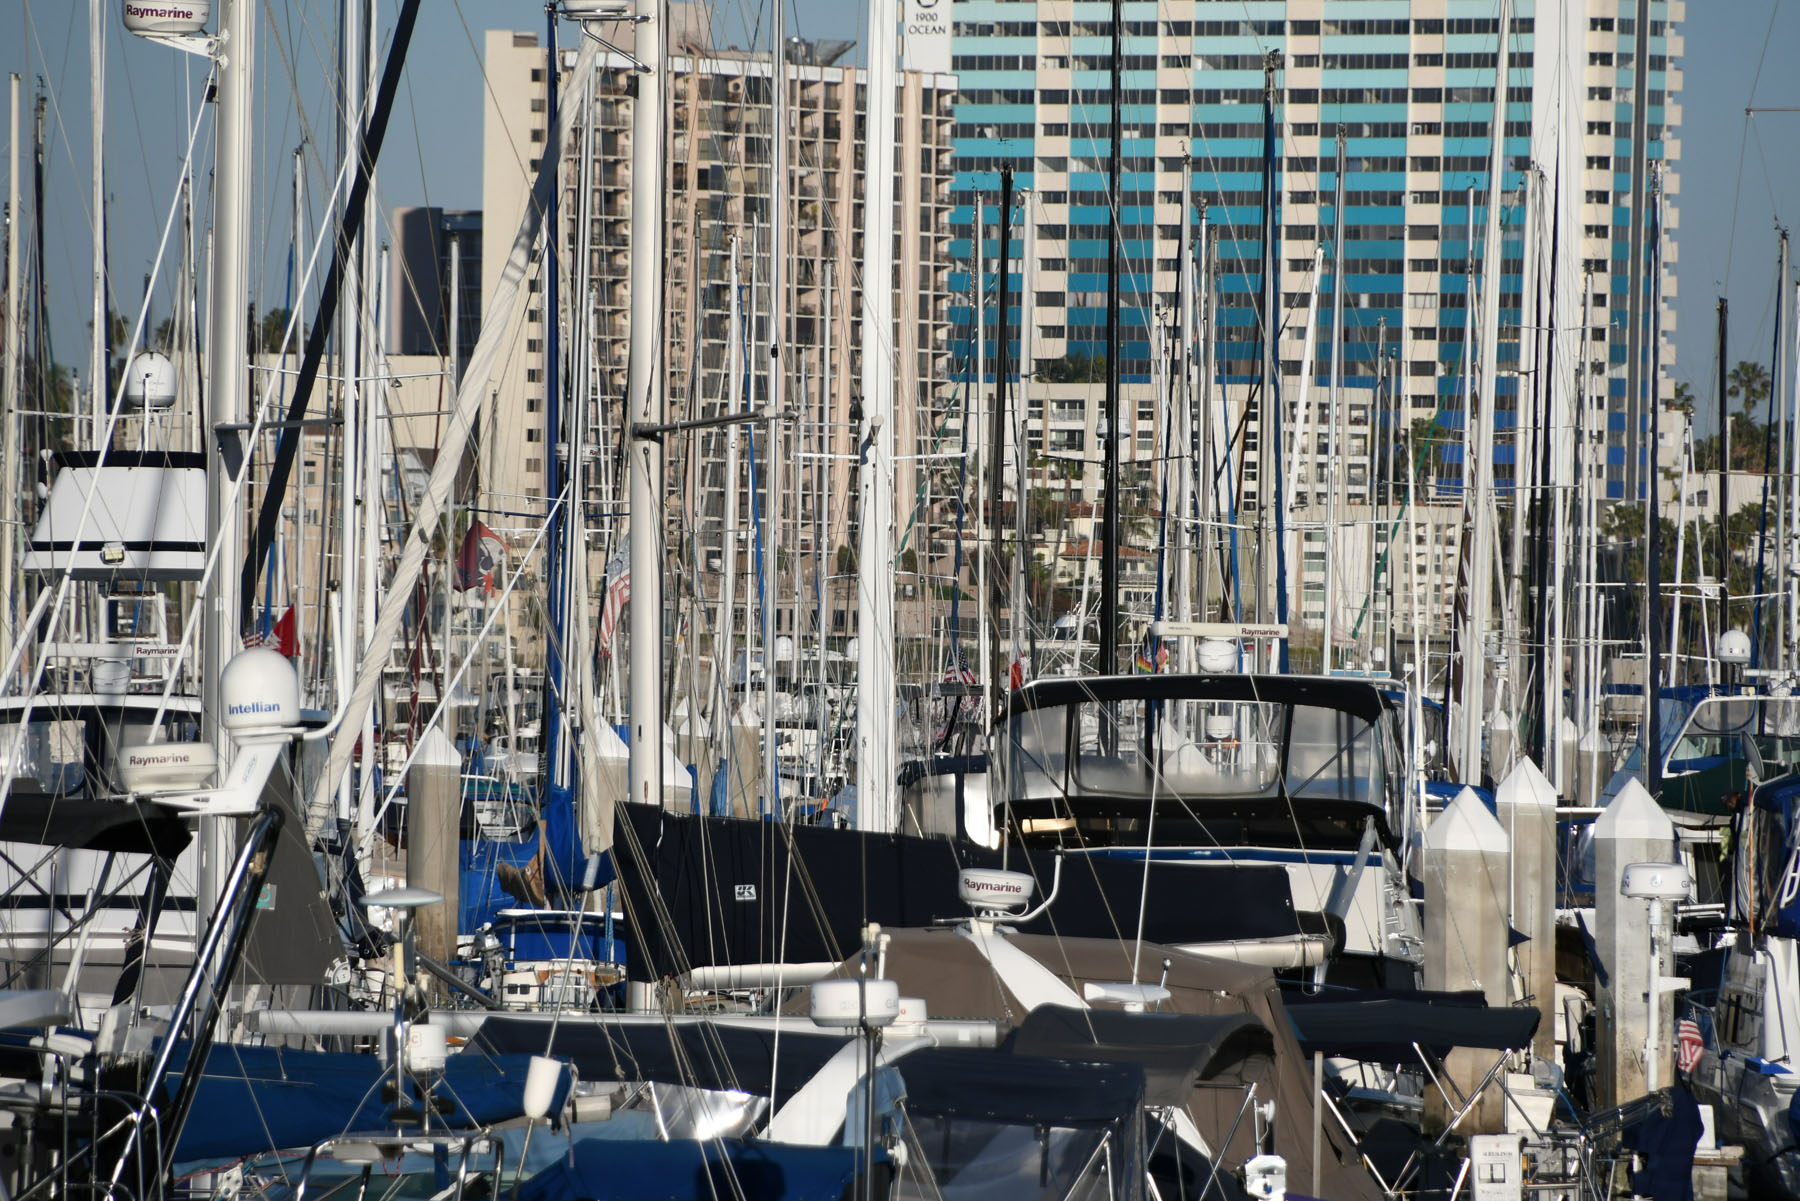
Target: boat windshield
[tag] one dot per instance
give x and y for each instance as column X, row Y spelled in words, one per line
column 52, row 755
column 968, row 1159
column 1197, row 749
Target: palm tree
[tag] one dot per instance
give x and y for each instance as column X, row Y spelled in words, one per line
column 1750, row 382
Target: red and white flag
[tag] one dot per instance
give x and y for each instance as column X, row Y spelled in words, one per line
column 479, row 560
column 1689, row 1044
column 283, row 635
column 618, row 591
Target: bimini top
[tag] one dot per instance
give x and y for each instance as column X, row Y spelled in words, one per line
column 1360, row 697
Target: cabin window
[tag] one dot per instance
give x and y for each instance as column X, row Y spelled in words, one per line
column 53, row 755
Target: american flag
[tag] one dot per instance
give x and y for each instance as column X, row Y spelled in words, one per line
column 1690, row 1044
column 968, row 705
column 618, row 591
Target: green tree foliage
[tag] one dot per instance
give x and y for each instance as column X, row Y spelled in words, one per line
column 1752, row 445
column 1073, row 369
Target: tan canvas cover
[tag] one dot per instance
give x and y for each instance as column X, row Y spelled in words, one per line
column 956, row 982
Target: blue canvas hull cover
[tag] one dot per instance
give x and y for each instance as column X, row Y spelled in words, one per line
column 696, row 1170
column 254, row 1100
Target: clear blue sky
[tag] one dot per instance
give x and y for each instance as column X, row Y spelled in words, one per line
column 1739, row 176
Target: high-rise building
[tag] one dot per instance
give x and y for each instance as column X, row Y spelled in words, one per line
column 1591, row 112
column 717, row 195
column 432, row 248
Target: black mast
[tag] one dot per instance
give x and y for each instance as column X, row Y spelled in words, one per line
column 1724, row 473
column 997, row 574
column 1109, row 412
column 281, row 468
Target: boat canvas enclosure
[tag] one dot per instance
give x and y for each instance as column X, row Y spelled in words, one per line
column 1225, row 760
column 141, row 516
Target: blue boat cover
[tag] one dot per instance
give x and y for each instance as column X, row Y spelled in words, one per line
column 694, row 1170
column 258, row 1099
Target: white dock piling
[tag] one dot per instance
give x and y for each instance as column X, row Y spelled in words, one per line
column 1526, row 804
column 1467, row 885
column 1633, row 829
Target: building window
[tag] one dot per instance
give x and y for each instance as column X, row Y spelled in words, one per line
column 534, row 435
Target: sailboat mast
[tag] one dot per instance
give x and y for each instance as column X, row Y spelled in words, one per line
column 1331, row 418
column 9, row 384
column 645, row 400
column 554, row 760
column 1109, row 411
column 1021, row 636
column 778, row 227
column 996, row 456
column 97, row 389
column 724, row 654
column 1653, row 657
column 875, row 809
column 1724, row 341
column 1479, row 472
column 1184, row 463
column 1269, row 401
column 1791, row 331
column 226, row 352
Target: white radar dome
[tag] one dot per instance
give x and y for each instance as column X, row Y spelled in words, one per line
column 260, row 691
column 167, row 16
column 849, row 1003
column 150, row 381
column 1217, row 655
column 991, row 890
column 1734, row 647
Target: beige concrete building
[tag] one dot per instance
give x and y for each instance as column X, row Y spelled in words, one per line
column 717, row 195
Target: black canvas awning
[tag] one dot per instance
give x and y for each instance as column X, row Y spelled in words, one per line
column 1385, row 1028
column 127, row 827
column 1175, row 1050
column 1022, row 1089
